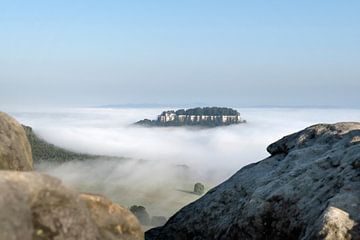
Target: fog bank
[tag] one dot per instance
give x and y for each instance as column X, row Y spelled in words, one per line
column 163, row 163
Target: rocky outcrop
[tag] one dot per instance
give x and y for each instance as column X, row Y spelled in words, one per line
column 309, row 188
column 204, row 117
column 15, row 151
column 113, row 220
column 35, row 206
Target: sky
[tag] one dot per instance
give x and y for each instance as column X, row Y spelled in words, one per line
column 235, row 53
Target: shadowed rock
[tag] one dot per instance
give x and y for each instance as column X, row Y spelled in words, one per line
column 15, row 151
column 309, row 188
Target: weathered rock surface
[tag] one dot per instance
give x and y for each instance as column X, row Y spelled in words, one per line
column 36, row 206
column 15, row 151
column 113, row 220
column 309, row 188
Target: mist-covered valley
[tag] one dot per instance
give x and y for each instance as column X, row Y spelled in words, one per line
column 159, row 166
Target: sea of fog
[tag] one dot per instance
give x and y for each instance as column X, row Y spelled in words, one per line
column 162, row 164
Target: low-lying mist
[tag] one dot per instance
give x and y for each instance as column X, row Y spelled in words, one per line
column 162, row 164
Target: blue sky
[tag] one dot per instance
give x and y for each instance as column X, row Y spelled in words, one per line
column 239, row 53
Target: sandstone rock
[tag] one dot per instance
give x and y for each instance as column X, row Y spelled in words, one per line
column 336, row 224
column 141, row 214
column 309, row 188
column 15, row 151
column 36, row 206
column 113, row 220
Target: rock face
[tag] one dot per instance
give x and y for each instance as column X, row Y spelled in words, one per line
column 309, row 188
column 114, row 221
column 15, row 151
column 204, row 117
column 36, row 206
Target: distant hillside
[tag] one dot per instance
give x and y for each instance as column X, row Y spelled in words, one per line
column 205, row 117
column 42, row 150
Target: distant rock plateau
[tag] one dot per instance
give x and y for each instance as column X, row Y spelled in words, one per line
column 204, row 117
column 309, row 188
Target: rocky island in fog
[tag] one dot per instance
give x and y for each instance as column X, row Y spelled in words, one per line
column 205, row 117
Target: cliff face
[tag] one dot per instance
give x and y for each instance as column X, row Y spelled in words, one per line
column 309, row 188
column 182, row 119
column 204, row 117
column 15, row 151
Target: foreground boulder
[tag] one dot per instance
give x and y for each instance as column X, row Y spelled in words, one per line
column 34, row 206
column 15, row 150
column 113, row 220
column 309, row 188
column 37, row 206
